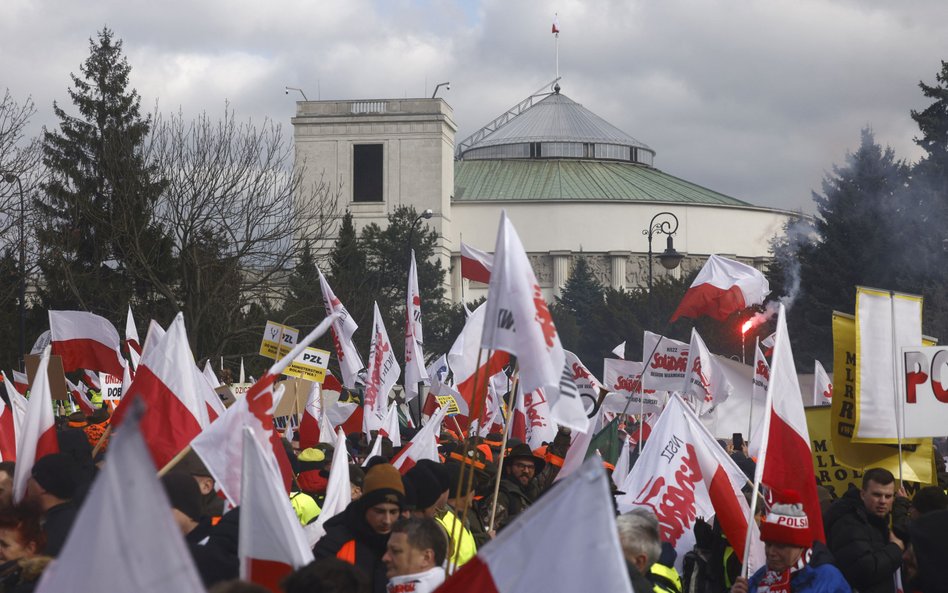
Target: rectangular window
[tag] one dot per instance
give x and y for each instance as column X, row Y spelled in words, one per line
column 367, row 167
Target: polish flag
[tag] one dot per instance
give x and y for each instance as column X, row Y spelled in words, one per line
column 220, row 445
column 415, row 371
column 785, row 434
column 21, row 383
column 38, row 437
column 309, row 431
column 556, row 24
column 7, row 432
column 577, row 515
column 91, row 379
column 168, row 384
column 463, row 360
column 518, row 321
column 722, row 287
column 338, row 492
column 215, row 407
column 706, row 379
column 79, row 394
column 517, row 426
column 271, row 543
column 342, row 329
column 492, row 418
column 475, row 264
column 536, row 417
column 424, row 445
column 128, row 521
column 768, row 344
column 383, row 373
column 18, row 404
column 348, row 415
column 683, row 474
column 131, row 339
column 85, row 341
column 822, row 386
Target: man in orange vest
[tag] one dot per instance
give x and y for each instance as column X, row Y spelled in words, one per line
column 359, row 535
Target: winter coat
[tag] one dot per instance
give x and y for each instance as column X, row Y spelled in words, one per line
column 929, row 536
column 57, row 524
column 825, row 578
column 21, row 576
column 368, row 546
column 859, row 541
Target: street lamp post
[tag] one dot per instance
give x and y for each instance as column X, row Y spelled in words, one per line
column 668, row 258
column 10, row 178
column 426, row 215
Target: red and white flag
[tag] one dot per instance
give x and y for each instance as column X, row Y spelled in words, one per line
column 706, row 380
column 424, row 445
column 7, row 432
column 338, row 491
column 309, row 431
column 271, row 543
column 220, row 445
column 18, row 403
column 38, row 435
column 759, row 395
column 383, row 372
column 767, row 344
column 667, row 365
column 556, row 24
column 587, row 383
column 131, row 339
column 536, row 417
column 415, row 371
column 822, row 386
column 475, row 264
column 785, row 462
column 85, row 341
column 348, row 415
column 80, row 396
column 578, row 515
column 91, row 379
column 624, row 377
column 342, row 329
column 518, row 321
column 681, row 474
column 21, row 383
column 464, row 356
column 150, row 557
column 168, row 383
column 722, row 287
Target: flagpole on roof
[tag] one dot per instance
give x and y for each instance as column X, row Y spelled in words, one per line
column 556, row 41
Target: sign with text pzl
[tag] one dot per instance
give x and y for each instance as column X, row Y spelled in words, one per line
column 926, row 391
column 278, row 340
column 310, row 365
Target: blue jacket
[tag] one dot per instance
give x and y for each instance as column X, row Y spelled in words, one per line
column 825, row 578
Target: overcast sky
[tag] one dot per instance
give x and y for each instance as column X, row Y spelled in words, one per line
column 753, row 98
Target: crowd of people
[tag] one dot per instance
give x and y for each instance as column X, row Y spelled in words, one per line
column 407, row 532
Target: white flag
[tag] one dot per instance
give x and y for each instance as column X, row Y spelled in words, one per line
column 383, row 373
column 127, row 520
column 415, row 371
column 822, row 386
column 518, row 321
column 706, row 379
column 619, row 350
column 38, row 437
column 338, row 491
column 342, row 329
column 666, row 362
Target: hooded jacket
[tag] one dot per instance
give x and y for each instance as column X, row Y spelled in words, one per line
column 860, row 544
column 349, row 532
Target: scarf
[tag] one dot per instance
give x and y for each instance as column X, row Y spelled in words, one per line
column 420, row 582
column 779, row 582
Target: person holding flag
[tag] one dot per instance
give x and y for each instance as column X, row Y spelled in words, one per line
column 787, row 539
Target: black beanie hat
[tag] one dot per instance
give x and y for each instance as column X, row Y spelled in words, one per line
column 438, row 471
column 183, row 493
column 424, row 485
column 57, row 474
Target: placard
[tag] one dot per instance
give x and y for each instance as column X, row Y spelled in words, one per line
column 311, row 365
column 54, row 372
column 278, row 340
column 111, row 387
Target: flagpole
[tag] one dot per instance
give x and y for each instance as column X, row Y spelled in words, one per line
column 895, row 380
column 750, row 416
column 503, row 447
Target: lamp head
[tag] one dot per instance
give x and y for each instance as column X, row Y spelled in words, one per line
column 670, row 258
column 427, row 214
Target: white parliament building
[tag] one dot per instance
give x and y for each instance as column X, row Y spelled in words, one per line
column 571, row 182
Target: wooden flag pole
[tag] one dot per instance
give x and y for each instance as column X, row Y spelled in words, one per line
column 174, row 461
column 503, row 448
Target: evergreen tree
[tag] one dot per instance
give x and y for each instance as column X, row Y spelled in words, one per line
column 578, row 313
column 859, row 231
column 100, row 196
column 303, row 305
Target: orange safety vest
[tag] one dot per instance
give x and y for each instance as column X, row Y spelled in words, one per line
column 347, row 553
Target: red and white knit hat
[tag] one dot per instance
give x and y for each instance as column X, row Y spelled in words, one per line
column 787, row 522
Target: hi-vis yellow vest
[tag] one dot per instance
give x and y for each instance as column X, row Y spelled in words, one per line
column 462, row 546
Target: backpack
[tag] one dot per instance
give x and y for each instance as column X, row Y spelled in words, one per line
column 696, row 573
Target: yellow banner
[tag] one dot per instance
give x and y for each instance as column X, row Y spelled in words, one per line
column 310, row 365
column 916, row 459
column 277, row 340
column 449, row 404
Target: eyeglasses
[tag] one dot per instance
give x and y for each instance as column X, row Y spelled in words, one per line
column 522, row 465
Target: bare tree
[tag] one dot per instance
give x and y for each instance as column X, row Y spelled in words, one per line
column 238, row 212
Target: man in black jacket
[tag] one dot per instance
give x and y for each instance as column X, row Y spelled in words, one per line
column 359, row 535
column 858, row 534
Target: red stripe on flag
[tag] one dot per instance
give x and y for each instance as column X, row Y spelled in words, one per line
column 496, row 363
column 727, row 510
column 707, row 299
column 83, row 353
column 789, row 466
column 474, row 270
column 473, row 577
column 309, row 431
column 267, row 573
column 47, row 444
column 7, row 435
